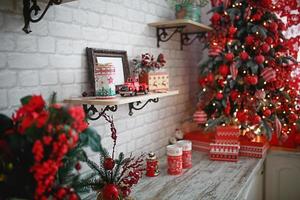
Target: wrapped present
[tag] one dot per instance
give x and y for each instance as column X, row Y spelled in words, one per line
column 200, row 141
column 224, row 152
column 227, row 134
column 256, row 147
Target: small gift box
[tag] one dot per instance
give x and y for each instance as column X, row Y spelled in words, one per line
column 224, row 152
column 256, row 147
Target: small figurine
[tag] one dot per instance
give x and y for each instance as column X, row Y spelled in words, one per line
column 152, row 165
column 133, row 87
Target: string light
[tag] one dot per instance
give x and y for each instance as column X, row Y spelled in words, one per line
column 204, row 89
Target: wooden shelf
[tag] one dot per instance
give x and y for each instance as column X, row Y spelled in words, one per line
column 189, row 31
column 134, row 102
column 118, row 100
column 189, row 25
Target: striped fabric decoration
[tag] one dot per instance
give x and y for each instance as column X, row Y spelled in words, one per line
column 269, row 74
column 200, row 117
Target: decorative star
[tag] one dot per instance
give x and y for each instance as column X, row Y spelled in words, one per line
column 110, row 80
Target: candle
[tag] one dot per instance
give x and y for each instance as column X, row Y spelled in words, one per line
column 174, row 154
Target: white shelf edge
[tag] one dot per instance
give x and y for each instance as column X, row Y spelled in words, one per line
column 118, row 100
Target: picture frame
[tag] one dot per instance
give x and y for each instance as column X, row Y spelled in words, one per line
column 118, row 58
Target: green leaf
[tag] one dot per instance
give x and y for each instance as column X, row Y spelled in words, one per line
column 254, row 69
column 214, row 122
column 25, row 100
column 93, row 138
column 5, row 123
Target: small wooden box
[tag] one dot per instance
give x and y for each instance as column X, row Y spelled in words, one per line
column 157, row 81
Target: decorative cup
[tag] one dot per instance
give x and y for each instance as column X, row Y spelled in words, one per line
column 186, row 153
column 174, row 154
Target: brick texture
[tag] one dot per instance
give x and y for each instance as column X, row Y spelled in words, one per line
column 52, row 58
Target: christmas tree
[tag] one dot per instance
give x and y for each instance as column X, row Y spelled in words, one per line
column 247, row 77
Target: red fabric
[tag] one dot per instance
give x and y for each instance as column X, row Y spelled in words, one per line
column 200, row 136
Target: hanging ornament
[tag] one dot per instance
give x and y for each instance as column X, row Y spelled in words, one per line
column 259, row 59
column 229, row 57
column 260, row 94
column 200, row 117
column 268, row 74
column 110, row 192
column 267, row 112
column 233, row 70
column 109, row 163
column 223, row 70
column 219, row 96
column 265, row 48
column 244, row 56
column 215, row 51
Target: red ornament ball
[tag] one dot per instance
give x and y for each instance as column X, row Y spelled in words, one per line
column 267, row 112
column 251, row 79
column 108, row 164
column 234, row 95
column 241, row 116
column 244, row 56
column 210, row 77
column 229, row 57
column 215, row 19
column 273, row 27
column 249, row 40
column 265, row 48
column 232, row 30
column 259, row 59
column 73, row 196
column 224, row 70
column 269, row 40
column 219, row 95
column 293, row 117
column 256, row 119
column 110, row 192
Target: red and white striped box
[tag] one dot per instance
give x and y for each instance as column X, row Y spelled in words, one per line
column 256, row 148
column 227, row 134
column 224, row 152
column 200, row 141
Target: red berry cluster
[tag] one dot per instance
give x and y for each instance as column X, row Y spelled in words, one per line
column 54, row 131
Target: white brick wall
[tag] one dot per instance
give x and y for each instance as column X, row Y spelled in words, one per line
column 52, row 58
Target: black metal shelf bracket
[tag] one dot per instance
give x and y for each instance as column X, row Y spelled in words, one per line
column 163, row 36
column 31, row 11
column 185, row 40
column 93, row 114
column 189, row 38
column 138, row 103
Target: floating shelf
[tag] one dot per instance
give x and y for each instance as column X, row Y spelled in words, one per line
column 184, row 27
column 134, row 102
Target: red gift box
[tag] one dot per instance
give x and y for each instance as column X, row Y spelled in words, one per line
column 200, row 140
column 256, row 148
column 229, row 134
column 224, row 152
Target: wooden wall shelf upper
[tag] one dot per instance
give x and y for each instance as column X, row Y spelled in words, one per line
column 190, row 26
column 112, row 104
column 185, row 27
